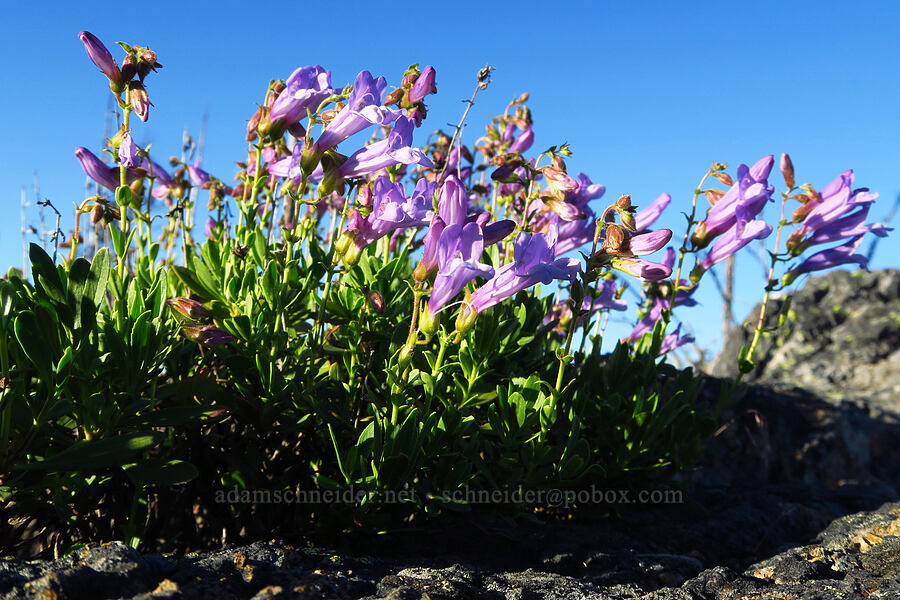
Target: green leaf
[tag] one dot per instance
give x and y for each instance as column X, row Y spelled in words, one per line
column 42, row 265
column 162, row 472
column 7, row 302
column 193, row 283
column 36, row 349
column 258, row 247
column 94, row 455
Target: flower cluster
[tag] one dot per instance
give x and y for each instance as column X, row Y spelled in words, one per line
column 488, row 230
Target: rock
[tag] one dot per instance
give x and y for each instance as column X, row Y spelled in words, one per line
column 840, row 340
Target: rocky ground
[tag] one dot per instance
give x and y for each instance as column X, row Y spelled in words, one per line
column 797, row 497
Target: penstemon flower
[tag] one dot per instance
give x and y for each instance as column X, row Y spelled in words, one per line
column 833, row 257
column 744, row 200
column 395, row 148
column 364, row 108
column 305, row 90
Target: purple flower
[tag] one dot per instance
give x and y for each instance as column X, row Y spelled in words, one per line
column 606, row 299
column 453, row 204
column 648, row 322
column 363, row 108
column 533, row 262
column 306, row 88
column 828, row 219
column 672, row 341
column 391, row 210
column 100, row 172
column 735, row 239
column 459, row 257
column 198, row 176
column 642, row 269
column 128, row 152
column 101, row 57
column 646, row 217
column 289, row 167
column 573, row 234
column 523, row 142
column 207, row 336
column 396, row 148
column 648, row 243
column 163, row 184
column 847, row 227
column 740, row 204
column 833, row 257
column 423, row 86
column 497, row 231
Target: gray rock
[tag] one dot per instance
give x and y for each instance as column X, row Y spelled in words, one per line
column 840, row 340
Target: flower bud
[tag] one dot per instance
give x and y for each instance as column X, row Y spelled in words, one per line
column 375, row 302
column 309, row 159
column 101, row 57
column 423, row 86
column 787, row 170
column 559, row 163
column 428, row 323
column 558, row 180
column 96, row 214
column 616, row 241
column 406, row 355
column 724, row 178
column 394, row 97
column 699, row 237
column 565, row 210
column 697, row 273
column 253, row 124
column 624, row 202
column 190, row 309
column 207, row 336
column 523, row 98
column 466, row 319
column 713, row 196
column 140, row 102
column 129, row 68
column 628, row 221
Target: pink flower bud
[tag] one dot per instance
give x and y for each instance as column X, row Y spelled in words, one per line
column 787, row 170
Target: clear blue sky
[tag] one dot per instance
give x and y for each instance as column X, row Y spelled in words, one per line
column 647, row 94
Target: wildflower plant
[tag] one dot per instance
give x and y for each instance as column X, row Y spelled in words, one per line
column 365, row 317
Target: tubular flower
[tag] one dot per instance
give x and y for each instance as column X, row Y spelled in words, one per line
column 395, row 148
column 644, row 270
column 648, row 243
column 846, row 227
column 164, row 182
column 391, row 210
column 305, row 89
column 671, row 341
column 735, row 239
column 740, row 204
column 363, row 108
column 100, row 172
column 827, row 217
column 646, row 217
column 533, row 262
column 833, row 257
column 459, row 257
column 523, row 142
column 101, row 57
